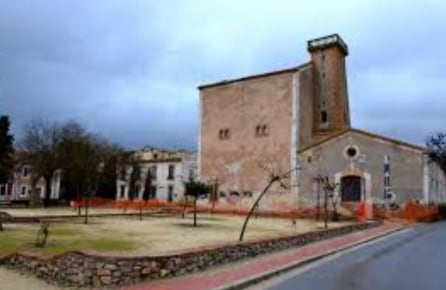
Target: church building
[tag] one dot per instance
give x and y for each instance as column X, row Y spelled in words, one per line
column 300, row 118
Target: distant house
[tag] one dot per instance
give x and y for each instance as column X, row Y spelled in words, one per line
column 160, row 174
column 19, row 186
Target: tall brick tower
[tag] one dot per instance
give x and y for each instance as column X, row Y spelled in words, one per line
column 330, row 103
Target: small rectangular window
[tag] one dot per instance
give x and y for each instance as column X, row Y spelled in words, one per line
column 153, row 191
column 170, row 193
column 122, row 191
column 171, row 173
column 23, row 193
column 153, row 172
column 262, row 130
column 2, row 190
column 247, row 194
column 324, row 117
column 224, row 134
column 25, row 171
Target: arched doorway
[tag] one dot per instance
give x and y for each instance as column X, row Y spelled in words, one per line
column 351, row 188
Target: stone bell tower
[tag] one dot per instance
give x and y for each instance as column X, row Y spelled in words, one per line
column 330, row 104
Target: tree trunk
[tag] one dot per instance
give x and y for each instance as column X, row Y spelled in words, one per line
column 195, row 212
column 318, row 204
column 78, row 201
column 183, row 214
column 86, row 211
column 254, row 206
column 214, row 196
column 46, row 199
column 325, row 209
column 140, row 210
column 34, row 198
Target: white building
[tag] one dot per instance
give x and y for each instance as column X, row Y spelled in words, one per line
column 19, row 188
column 168, row 171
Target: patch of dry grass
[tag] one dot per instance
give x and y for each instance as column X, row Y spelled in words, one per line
column 152, row 235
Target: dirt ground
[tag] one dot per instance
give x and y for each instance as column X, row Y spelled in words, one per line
column 27, row 212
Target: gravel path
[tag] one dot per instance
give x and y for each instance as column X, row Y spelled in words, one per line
column 13, row 280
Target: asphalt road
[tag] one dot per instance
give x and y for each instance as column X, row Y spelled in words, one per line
column 411, row 260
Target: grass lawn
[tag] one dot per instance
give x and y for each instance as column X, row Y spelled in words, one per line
column 152, row 235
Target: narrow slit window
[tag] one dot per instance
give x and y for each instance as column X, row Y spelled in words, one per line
column 224, row 134
column 227, row 134
column 265, row 130
column 324, row 117
column 262, row 130
column 258, row 130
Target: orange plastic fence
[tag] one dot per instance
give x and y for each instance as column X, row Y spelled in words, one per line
column 412, row 211
column 416, row 212
column 361, row 214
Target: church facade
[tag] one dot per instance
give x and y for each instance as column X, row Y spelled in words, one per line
column 300, row 118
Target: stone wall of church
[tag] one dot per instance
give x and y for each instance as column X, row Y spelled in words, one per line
column 306, row 97
column 239, row 109
column 436, row 183
column 330, row 159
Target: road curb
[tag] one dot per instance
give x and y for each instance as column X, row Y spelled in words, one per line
column 241, row 284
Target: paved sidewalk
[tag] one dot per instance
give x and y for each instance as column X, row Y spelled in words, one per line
column 231, row 275
column 14, row 280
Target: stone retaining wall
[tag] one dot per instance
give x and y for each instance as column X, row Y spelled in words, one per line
column 80, row 269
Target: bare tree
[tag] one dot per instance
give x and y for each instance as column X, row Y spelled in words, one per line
column 68, row 147
column 109, row 175
column 329, row 189
column 274, row 177
column 34, row 179
column 40, row 143
column 81, row 155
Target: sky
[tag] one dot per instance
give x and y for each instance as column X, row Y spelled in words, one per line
column 129, row 69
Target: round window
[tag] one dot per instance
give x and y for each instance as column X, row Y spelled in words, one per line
column 351, row 152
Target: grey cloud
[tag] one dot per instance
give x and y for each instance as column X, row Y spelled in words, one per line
column 129, row 69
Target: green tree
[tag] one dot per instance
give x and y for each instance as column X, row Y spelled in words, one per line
column 6, row 149
column 195, row 189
